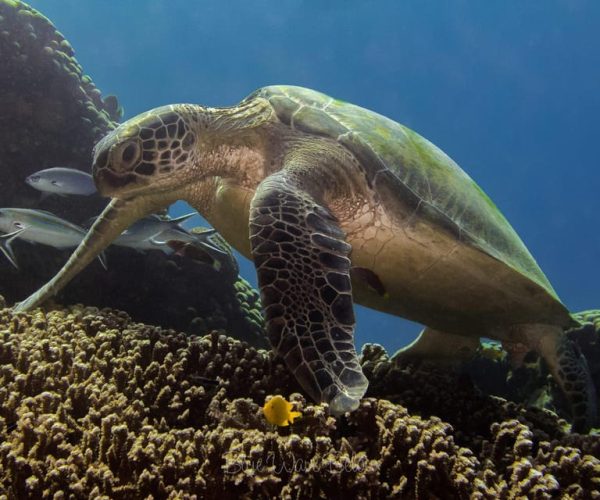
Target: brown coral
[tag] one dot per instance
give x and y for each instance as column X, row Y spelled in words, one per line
column 92, row 404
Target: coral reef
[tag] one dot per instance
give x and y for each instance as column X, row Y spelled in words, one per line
column 587, row 337
column 52, row 115
column 173, row 291
column 92, row 404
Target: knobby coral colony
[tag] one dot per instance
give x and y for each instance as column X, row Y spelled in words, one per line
column 92, row 404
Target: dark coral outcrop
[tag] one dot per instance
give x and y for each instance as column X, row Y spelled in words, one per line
column 52, row 115
column 92, row 404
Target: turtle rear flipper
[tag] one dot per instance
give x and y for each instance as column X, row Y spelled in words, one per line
column 431, row 344
column 566, row 363
column 570, row 370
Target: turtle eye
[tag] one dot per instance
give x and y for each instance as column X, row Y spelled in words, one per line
column 18, row 225
column 130, row 154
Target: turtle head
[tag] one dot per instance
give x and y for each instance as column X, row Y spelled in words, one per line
column 172, row 147
column 148, row 153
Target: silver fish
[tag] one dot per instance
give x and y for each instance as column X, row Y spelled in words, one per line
column 39, row 226
column 207, row 247
column 203, row 241
column 62, row 181
column 154, row 232
column 145, row 234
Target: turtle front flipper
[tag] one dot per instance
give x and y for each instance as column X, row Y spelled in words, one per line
column 303, row 270
column 116, row 217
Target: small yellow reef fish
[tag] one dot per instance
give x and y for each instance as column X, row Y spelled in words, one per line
column 278, row 411
column 492, row 350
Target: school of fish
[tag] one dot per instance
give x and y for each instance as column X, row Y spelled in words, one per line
column 153, row 232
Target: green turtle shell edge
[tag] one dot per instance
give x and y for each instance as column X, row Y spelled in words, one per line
column 411, row 167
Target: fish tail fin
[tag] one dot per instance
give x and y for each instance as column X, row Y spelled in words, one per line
column 203, row 241
column 103, row 261
column 182, row 218
column 6, row 248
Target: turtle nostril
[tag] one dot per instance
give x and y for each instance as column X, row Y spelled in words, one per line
column 102, row 159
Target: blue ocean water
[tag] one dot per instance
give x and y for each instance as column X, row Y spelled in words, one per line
column 508, row 89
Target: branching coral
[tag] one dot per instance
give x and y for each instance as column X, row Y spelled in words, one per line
column 92, row 404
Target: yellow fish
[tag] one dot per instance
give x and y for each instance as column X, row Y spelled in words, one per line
column 278, row 411
column 492, row 350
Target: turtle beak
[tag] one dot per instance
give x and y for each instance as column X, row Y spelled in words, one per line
column 116, row 185
column 109, row 183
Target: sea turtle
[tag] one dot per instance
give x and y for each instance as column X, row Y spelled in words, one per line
column 309, row 187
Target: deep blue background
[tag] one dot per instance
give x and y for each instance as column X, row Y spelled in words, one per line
column 509, row 89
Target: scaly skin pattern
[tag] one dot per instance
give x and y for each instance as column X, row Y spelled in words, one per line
column 304, row 273
column 288, row 185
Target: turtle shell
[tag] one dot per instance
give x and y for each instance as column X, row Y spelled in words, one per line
column 399, row 163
